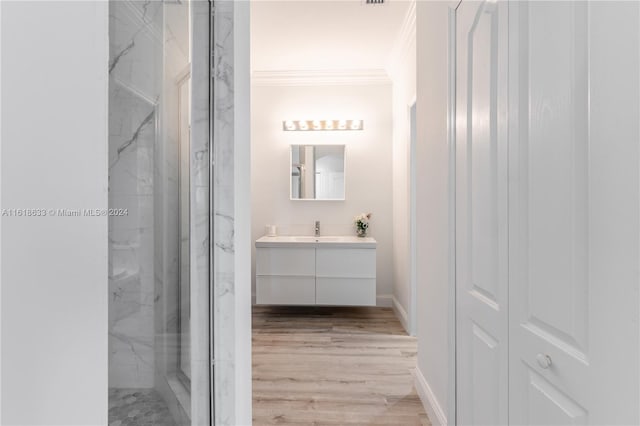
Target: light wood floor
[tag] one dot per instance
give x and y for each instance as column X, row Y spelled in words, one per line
column 333, row 366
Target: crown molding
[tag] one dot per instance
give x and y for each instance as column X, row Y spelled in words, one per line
column 320, row 77
column 405, row 38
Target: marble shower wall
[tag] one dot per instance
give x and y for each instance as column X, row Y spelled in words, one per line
column 224, row 228
column 135, row 85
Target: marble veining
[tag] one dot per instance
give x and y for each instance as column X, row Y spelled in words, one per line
column 120, row 54
column 145, row 122
column 143, row 18
column 224, row 223
column 138, row 407
column 134, row 91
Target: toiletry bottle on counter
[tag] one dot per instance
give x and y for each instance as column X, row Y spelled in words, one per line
column 270, row 230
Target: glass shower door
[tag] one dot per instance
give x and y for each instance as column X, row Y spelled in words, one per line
column 159, row 354
column 184, row 367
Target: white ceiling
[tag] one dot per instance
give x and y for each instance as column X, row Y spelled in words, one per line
column 323, row 34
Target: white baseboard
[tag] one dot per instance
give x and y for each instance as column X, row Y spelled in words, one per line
column 429, row 400
column 401, row 314
column 384, row 300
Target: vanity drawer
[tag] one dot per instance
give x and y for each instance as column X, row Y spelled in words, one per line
column 346, row 291
column 286, row 261
column 285, row 290
column 346, row 263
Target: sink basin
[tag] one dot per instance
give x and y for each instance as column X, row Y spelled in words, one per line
column 290, row 239
column 330, row 239
column 303, row 239
column 307, row 240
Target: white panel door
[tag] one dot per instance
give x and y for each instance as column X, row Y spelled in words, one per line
column 573, row 208
column 481, row 213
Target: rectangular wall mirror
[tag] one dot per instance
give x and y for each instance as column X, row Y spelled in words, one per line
column 317, row 172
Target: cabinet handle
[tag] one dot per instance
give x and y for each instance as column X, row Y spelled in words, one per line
column 544, row 360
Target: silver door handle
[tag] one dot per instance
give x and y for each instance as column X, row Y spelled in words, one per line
column 544, row 360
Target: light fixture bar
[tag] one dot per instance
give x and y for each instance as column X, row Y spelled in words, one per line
column 310, row 125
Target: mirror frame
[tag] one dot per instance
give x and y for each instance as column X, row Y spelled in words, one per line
column 344, row 160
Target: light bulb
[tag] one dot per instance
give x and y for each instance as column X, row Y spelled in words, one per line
column 342, row 124
column 289, row 125
column 355, row 124
column 316, row 125
column 328, row 124
column 303, row 125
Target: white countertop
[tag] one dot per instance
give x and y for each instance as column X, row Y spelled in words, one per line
column 344, row 241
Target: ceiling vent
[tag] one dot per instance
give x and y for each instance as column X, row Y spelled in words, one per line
column 373, row 1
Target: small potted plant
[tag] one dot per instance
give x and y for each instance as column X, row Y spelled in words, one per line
column 362, row 224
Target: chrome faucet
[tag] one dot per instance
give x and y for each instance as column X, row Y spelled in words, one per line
column 317, row 228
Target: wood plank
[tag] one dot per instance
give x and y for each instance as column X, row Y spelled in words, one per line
column 333, row 366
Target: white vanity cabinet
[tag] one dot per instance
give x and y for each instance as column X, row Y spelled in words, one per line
column 316, row 271
column 346, row 276
column 286, row 276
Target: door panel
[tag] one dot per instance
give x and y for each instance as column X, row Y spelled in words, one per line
column 481, row 213
column 558, row 344
column 485, row 356
column 548, row 405
column 560, row 358
column 549, row 235
column 482, row 155
column 554, row 191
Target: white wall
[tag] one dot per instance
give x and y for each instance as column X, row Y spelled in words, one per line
column 435, row 305
column 54, row 269
column 402, row 70
column 368, row 172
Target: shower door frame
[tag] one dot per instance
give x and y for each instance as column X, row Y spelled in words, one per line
column 184, row 78
column 211, row 72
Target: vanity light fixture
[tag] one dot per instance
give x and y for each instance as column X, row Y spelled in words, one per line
column 292, row 125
